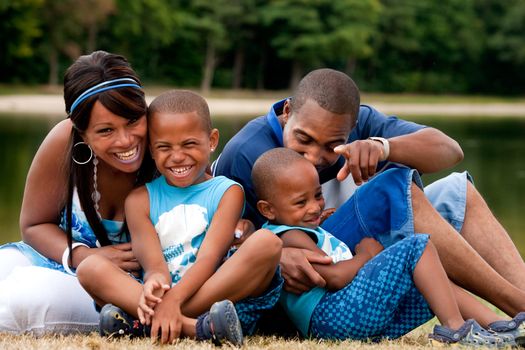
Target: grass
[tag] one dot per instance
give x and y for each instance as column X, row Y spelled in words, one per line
column 416, row 340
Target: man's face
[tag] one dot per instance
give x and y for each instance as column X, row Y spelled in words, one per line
column 314, row 132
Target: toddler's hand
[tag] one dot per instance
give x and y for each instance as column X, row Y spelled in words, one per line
column 369, row 246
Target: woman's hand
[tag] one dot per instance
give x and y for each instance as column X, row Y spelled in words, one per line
column 121, row 255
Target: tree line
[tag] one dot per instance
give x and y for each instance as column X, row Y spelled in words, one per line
column 446, row 46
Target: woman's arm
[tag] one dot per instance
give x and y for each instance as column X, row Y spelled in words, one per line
column 45, row 194
column 336, row 275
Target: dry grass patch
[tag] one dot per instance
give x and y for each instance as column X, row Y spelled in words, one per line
column 415, row 340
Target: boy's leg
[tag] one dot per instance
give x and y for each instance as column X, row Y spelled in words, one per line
column 248, row 276
column 380, row 302
column 462, row 263
column 108, row 284
column 459, row 202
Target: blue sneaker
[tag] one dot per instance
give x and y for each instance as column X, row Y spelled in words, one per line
column 221, row 323
column 469, row 334
column 515, row 327
column 115, row 322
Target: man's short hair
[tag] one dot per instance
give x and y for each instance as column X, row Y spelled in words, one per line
column 268, row 169
column 332, row 90
column 181, row 101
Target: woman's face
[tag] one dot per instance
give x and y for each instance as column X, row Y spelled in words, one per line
column 116, row 141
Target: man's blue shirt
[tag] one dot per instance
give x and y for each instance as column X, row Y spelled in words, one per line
column 264, row 133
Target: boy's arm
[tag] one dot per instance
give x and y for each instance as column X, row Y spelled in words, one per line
column 336, row 275
column 144, row 239
column 217, row 241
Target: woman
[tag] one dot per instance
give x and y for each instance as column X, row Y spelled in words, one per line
column 73, row 204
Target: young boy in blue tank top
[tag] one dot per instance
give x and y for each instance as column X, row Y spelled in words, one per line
column 182, row 226
column 375, row 293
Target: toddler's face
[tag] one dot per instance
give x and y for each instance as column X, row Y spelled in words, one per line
column 298, row 198
column 181, row 147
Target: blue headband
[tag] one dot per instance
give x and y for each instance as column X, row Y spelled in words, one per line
column 102, row 87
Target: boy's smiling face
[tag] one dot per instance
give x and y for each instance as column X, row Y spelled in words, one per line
column 314, row 132
column 297, row 198
column 181, row 146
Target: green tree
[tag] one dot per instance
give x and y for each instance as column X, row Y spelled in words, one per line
column 306, row 32
column 425, row 46
column 20, row 26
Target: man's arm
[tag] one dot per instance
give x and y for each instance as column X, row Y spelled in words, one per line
column 423, row 148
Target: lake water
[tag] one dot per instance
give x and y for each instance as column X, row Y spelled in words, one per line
column 494, row 154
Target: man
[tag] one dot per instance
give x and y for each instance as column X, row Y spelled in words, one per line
column 325, row 123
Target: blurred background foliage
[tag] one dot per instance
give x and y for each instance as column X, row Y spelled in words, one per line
column 446, row 46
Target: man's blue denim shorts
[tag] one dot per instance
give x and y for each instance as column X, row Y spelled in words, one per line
column 382, row 207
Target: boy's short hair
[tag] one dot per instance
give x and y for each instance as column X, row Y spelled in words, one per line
column 332, row 90
column 268, row 169
column 181, row 101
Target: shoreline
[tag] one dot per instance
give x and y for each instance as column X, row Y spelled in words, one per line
column 52, row 107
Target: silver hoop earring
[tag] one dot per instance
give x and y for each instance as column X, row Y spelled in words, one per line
column 74, row 149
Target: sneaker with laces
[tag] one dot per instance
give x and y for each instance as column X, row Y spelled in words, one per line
column 115, row 322
column 221, row 323
column 469, row 334
column 515, row 327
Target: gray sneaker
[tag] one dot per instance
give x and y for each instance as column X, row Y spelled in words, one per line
column 515, row 327
column 469, row 334
column 221, row 323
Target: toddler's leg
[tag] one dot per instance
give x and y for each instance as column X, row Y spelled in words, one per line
column 379, row 302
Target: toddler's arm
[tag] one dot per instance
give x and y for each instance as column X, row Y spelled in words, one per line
column 337, row 275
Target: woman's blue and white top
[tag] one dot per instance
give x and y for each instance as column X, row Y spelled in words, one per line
column 81, row 232
column 301, row 307
column 182, row 216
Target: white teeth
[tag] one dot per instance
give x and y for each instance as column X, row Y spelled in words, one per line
column 180, row 171
column 128, row 154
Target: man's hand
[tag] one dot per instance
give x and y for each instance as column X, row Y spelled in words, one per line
column 297, row 270
column 325, row 214
column 362, row 157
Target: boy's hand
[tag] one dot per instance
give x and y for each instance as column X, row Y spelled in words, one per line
column 167, row 322
column 152, row 294
column 369, row 246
